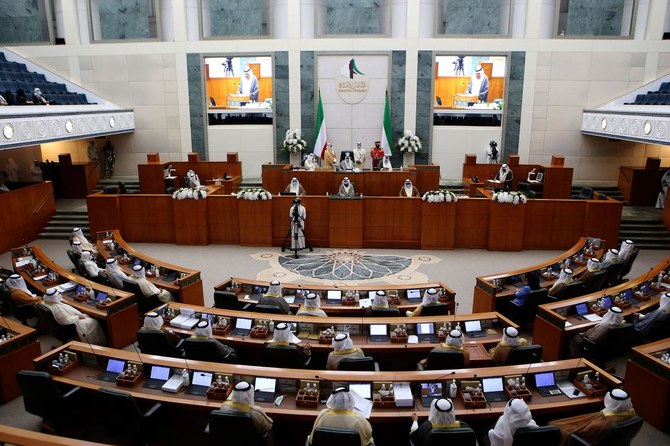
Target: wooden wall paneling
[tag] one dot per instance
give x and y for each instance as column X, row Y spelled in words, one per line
column 318, row 219
column 377, row 222
column 281, row 222
column 103, row 212
column 550, row 337
column 346, row 224
column 190, row 222
column 641, row 384
column 425, row 177
column 472, row 223
column 438, row 225
column 152, row 180
column 602, row 219
column 255, row 222
column 483, row 301
column 557, row 182
column 120, row 335
column 161, row 219
column 539, row 224
column 506, row 227
column 135, row 220
column 19, row 221
column 625, row 181
column 272, row 177
column 223, row 223
column 566, row 227
column 406, row 221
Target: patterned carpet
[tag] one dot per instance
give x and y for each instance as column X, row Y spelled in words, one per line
column 347, row 266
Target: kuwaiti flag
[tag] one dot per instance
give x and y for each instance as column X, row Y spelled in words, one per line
column 320, row 130
column 386, row 129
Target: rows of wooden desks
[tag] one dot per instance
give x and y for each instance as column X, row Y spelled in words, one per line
column 556, row 323
column 249, row 292
column 118, row 318
column 184, row 283
column 93, row 359
column 18, row 347
column 391, row 355
column 493, row 289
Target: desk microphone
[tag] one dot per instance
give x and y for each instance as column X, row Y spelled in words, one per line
column 83, row 335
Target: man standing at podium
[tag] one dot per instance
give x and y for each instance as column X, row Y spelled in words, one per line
column 248, row 84
column 479, row 84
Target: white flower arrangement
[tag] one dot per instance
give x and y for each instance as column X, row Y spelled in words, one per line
column 511, row 197
column 191, row 193
column 293, row 142
column 439, row 196
column 409, row 143
column 254, row 193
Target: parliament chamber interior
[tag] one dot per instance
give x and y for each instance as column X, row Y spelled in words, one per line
column 371, row 222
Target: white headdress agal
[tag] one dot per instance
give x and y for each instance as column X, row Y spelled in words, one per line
column 153, row 321
column 455, row 339
column 429, row 296
column 617, row 400
column 342, row 341
column 282, row 333
column 17, row 282
column 511, row 336
column 243, row 393
column 203, row 329
column 340, row 399
column 442, row 412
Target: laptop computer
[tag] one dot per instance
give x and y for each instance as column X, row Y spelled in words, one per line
column 426, row 332
column 114, row 368
column 264, row 389
column 199, row 383
column 414, row 295
column 607, row 301
column 493, row 389
column 545, row 383
column 474, row 329
column 364, row 390
column 242, row 327
column 100, row 297
column 378, row 333
column 334, row 296
column 429, row 392
column 158, row 376
column 581, row 309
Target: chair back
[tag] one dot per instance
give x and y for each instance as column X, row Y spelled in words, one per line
column 586, row 193
column 226, row 299
column 330, row 436
column 269, row 309
column 359, row 364
column 63, row 333
column 596, row 282
column 445, row 359
column 233, row 428
column 132, row 287
column 461, row 436
column 202, row 350
column 532, row 436
column 615, row 343
column 613, row 273
column 438, row 309
column 525, row 354
column 74, row 258
column 384, row 312
column 628, row 265
column 22, row 312
column 619, row 434
column 156, row 342
column 124, row 413
column 41, row 397
column 572, row 289
column 285, row 356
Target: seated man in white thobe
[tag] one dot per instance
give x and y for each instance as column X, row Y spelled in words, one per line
column 88, row 329
column 114, row 273
column 91, row 267
column 77, row 234
column 148, row 288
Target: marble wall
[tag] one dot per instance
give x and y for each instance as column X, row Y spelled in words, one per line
column 196, row 104
column 594, row 17
column 22, row 21
column 124, row 19
column 237, row 18
column 471, row 17
column 513, row 103
column 397, row 102
column 307, row 96
column 280, row 103
column 353, row 17
column 424, row 105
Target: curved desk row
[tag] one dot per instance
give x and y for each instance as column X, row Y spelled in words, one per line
column 250, row 291
column 24, row 437
column 391, row 355
column 555, row 323
column 490, row 290
column 16, row 353
column 184, row 283
column 119, row 318
column 93, row 359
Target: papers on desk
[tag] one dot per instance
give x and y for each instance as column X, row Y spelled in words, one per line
column 412, row 339
column 294, row 339
column 23, row 261
column 43, row 276
column 569, row 389
column 592, row 317
column 403, row 395
column 186, row 321
column 65, row 287
column 568, row 324
column 290, row 299
column 364, row 303
column 361, row 405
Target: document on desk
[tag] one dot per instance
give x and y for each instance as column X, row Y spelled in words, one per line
column 290, row 298
column 592, row 317
column 412, row 339
column 364, row 303
column 568, row 324
column 361, row 405
column 67, row 286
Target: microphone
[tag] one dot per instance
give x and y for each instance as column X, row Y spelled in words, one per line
column 83, row 335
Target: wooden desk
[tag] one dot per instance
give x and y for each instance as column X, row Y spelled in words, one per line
column 368, row 182
column 187, row 287
column 490, row 290
column 557, row 406
column 16, row 353
column 556, row 323
column 640, row 186
column 152, row 179
column 648, row 383
column 24, row 437
column 79, row 179
column 247, row 291
column 119, row 318
column 25, row 212
column 390, row 355
column 556, row 183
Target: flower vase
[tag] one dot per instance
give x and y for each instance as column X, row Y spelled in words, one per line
column 295, row 159
column 407, row 159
